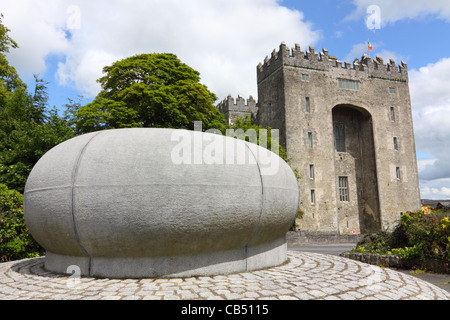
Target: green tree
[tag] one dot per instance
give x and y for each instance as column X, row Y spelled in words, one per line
column 241, row 128
column 150, row 90
column 27, row 128
column 15, row 239
column 27, row 131
column 5, row 41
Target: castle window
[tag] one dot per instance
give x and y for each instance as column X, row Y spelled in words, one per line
column 398, row 173
column 348, row 84
column 307, row 105
column 395, row 142
column 339, row 136
column 343, row 189
column 313, row 196
column 311, row 172
column 392, row 90
column 305, row 77
column 310, row 140
column 392, row 114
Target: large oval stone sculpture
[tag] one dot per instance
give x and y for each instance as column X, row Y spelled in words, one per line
column 135, row 203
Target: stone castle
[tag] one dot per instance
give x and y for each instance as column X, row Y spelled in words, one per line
column 347, row 128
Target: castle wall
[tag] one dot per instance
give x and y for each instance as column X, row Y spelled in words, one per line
column 286, row 79
column 237, row 109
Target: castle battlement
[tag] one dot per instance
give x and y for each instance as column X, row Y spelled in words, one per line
column 239, row 108
column 346, row 127
column 312, row 60
column 238, row 105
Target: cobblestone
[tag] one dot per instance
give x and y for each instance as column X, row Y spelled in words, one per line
column 307, row 276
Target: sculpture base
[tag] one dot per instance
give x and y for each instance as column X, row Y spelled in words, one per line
column 207, row 264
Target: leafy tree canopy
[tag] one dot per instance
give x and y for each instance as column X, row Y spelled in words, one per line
column 5, row 41
column 243, row 125
column 149, row 90
column 15, row 239
column 27, row 128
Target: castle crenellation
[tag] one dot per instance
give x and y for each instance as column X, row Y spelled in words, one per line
column 312, row 60
column 240, row 107
column 347, row 128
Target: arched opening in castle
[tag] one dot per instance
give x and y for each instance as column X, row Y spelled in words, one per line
column 348, row 130
column 355, row 165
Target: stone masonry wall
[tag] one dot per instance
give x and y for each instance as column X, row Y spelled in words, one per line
column 237, row 109
column 287, row 79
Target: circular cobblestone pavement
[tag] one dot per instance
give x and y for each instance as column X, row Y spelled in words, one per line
column 307, row 276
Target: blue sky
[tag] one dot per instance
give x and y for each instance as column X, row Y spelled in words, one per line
column 67, row 42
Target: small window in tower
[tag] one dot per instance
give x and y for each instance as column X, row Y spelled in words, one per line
column 311, row 172
column 392, row 90
column 398, row 174
column 313, row 196
column 339, row 136
column 305, row 77
column 392, row 114
column 343, row 189
column 310, row 139
column 307, row 105
column 395, row 142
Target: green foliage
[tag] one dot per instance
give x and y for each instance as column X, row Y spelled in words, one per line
column 374, row 243
column 27, row 128
column 5, row 41
column 428, row 234
column 149, row 90
column 27, row 131
column 15, row 239
column 242, row 126
column 418, row 235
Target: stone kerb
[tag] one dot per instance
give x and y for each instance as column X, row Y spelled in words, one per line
column 392, row 261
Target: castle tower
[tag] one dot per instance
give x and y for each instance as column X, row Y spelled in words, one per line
column 239, row 109
column 348, row 129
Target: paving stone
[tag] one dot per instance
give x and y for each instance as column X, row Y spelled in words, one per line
column 307, row 276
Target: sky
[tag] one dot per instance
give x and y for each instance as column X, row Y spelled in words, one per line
column 68, row 42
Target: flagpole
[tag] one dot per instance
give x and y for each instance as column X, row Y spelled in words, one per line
column 369, row 47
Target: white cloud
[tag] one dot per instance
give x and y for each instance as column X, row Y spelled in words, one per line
column 423, row 163
column 430, row 86
column 223, row 39
column 37, row 28
column 392, row 11
column 430, row 98
column 435, row 190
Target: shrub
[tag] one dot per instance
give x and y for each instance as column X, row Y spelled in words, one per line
column 429, row 233
column 418, row 235
column 15, row 239
column 376, row 242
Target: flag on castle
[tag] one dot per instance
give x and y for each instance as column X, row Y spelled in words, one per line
column 369, row 45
